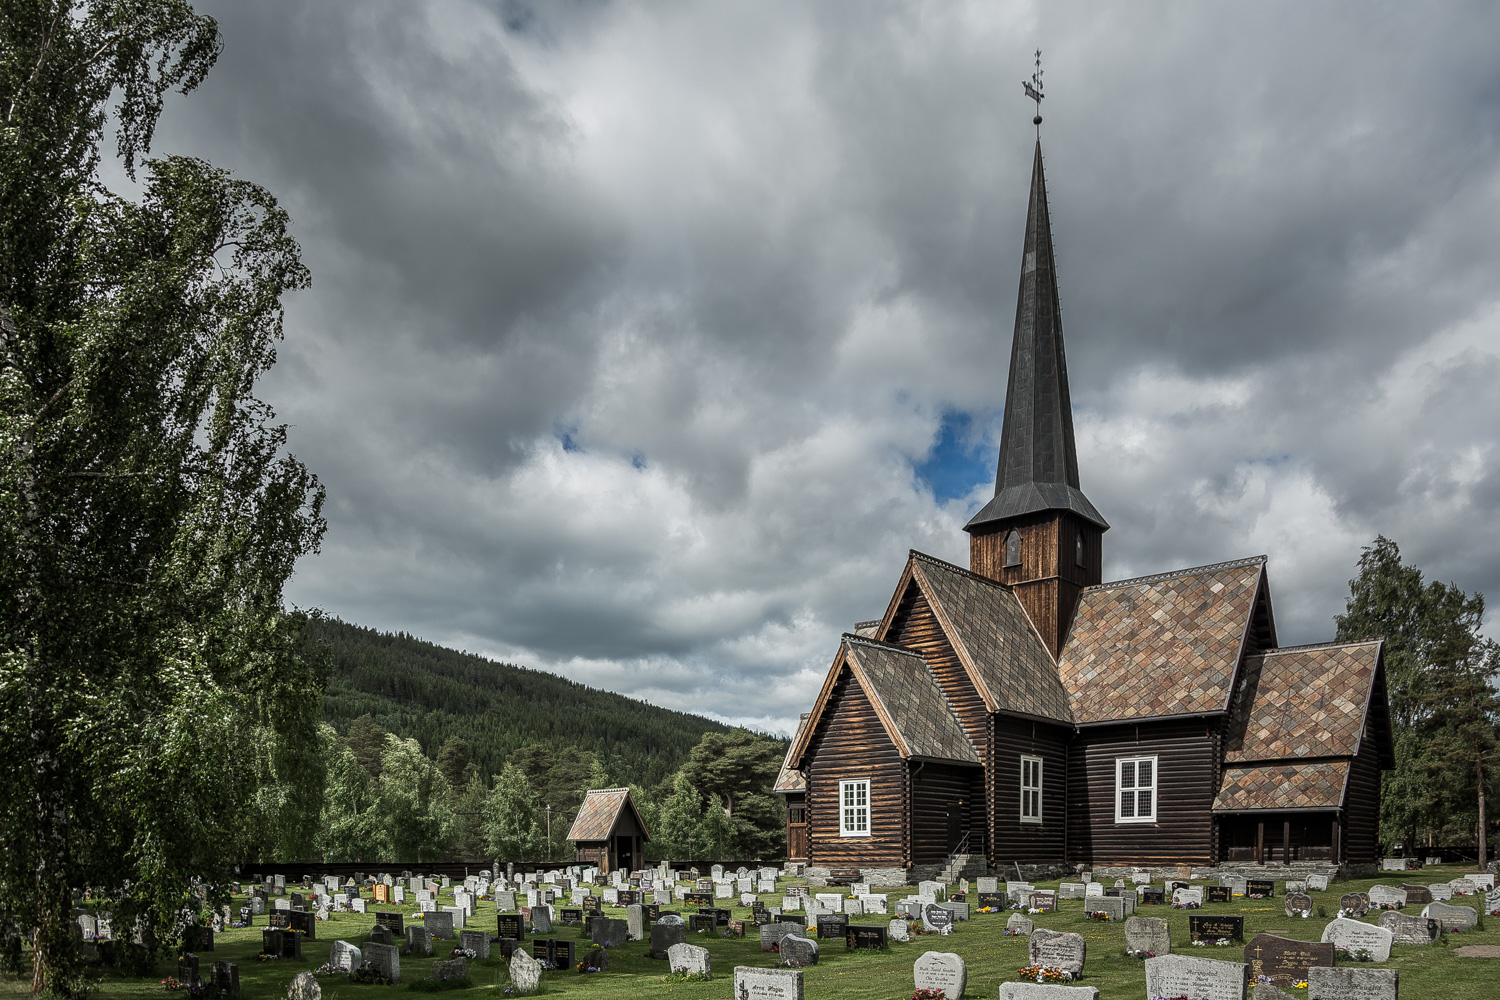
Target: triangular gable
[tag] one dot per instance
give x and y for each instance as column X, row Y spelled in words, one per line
column 1303, row 701
column 1160, row 646
column 907, row 700
column 791, row 780
column 600, row 812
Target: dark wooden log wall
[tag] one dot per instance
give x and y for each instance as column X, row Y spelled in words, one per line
column 937, row 791
column 1049, row 578
column 1361, row 831
column 916, row 627
column 1012, row 839
column 1187, row 754
column 850, row 744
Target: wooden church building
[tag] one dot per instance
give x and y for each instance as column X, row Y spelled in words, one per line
column 608, row 832
column 1023, row 710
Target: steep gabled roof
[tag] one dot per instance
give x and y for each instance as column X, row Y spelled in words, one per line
column 600, row 811
column 790, row 779
column 867, row 630
column 1283, row 786
column 1160, row 646
column 995, row 640
column 1305, row 701
column 906, row 698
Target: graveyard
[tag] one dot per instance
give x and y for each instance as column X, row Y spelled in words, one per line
column 683, row 935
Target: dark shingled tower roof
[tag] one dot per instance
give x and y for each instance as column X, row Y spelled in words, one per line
column 1038, row 460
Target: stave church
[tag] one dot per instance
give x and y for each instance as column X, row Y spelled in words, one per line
column 1021, row 710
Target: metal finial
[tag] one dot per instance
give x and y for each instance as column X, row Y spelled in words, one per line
column 1034, row 91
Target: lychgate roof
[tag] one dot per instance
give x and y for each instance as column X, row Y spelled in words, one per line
column 1306, row 701
column 790, row 779
column 995, row 639
column 1159, row 645
column 600, row 810
column 1283, row 786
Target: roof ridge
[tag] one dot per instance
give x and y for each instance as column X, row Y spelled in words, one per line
column 861, row 640
column 869, row 624
column 1173, row 574
column 1330, row 644
column 601, row 791
column 945, row 564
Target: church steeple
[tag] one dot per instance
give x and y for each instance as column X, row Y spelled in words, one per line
column 1039, row 534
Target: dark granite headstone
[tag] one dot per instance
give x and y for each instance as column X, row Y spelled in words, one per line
column 702, row 922
column 187, row 969
column 700, row 899
column 864, row 938
column 1047, row 901
column 1152, row 896
column 992, row 900
column 395, row 922
column 1210, row 928
column 307, row 923
column 1356, row 904
column 593, row 905
column 1298, row 904
column 1417, row 895
column 1260, row 887
column 832, row 925
column 650, row 911
column 1219, row 894
column 510, row 925
column 1283, row 960
column 570, row 917
column 280, row 919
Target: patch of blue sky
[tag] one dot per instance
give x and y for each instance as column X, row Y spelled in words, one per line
column 960, row 459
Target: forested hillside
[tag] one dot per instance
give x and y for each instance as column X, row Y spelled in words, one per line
column 421, row 690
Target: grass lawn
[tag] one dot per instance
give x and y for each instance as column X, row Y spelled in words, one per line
column 1427, row 973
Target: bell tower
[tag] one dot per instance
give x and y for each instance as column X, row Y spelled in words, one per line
column 1040, row 535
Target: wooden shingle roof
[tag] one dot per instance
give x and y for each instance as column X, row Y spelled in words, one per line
column 600, row 811
column 909, row 701
column 1283, row 786
column 1161, row 645
column 1306, row 701
column 790, row 779
column 995, row 639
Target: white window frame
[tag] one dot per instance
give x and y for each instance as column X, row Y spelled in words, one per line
column 1031, row 794
column 1135, row 789
column 854, row 806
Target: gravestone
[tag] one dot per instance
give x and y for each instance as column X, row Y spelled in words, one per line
column 898, row 930
column 1298, row 904
column 665, row 935
column 941, row 970
column 381, row 934
column 1058, row 949
column 450, row 968
column 702, row 922
column 187, row 969
column 384, row 959
column 832, row 925
column 525, row 973
column 689, row 958
column 876, row 904
column 510, row 925
column 541, row 920
column 226, row 977
column 864, row 938
column 772, row 933
column 1153, row 895
column 344, row 955
column 304, row 987
column 984, row 884
column 1353, row 984
column 1112, row 908
column 1451, row 918
column 1047, row 991
column 1284, row 960
column 959, row 909
column 937, row 919
column 767, row 984
column 1317, row 883
column 1417, row 895
column 1356, row 904
column 1148, row 934
column 797, row 951
column 476, row 941
column 419, row 942
column 853, row 908
column 505, row 902
column 1188, row 897
column 1199, row 978
column 1017, row 924
column 1263, row 887
column 1492, row 900
column 1463, row 886
column 1409, row 928
column 1356, row 935
column 608, row 932
column 1219, row 894
column 1212, row 928
column 1384, row 896
column 439, row 925
column 1046, row 902
column 1092, row 890
column 1071, row 890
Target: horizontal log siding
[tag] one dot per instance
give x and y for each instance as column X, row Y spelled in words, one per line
column 1014, row 840
column 935, row 790
column 916, row 627
column 851, row 744
column 1187, row 755
column 1361, row 833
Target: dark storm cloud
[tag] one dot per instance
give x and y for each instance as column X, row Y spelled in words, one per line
column 632, row 324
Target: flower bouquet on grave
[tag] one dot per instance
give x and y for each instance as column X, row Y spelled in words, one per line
column 1186, row 904
column 263, row 957
column 1045, row 974
column 1257, row 895
column 928, row 993
column 1140, row 953
column 985, row 909
column 171, row 985
column 1033, row 909
column 1096, row 915
column 463, row 953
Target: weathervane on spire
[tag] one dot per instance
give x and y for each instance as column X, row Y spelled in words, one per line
column 1034, row 91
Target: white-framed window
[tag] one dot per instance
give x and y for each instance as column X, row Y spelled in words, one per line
column 1135, row 790
column 1031, row 789
column 854, row 808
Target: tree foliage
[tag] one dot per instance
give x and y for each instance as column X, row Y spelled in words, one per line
column 158, row 708
column 1441, row 672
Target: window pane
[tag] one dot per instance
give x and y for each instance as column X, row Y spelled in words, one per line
column 1145, row 804
column 1127, row 804
column 1145, row 774
column 862, row 792
column 1127, row 774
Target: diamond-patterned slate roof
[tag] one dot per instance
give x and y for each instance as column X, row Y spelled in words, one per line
column 991, row 631
column 902, row 687
column 790, row 780
column 1282, row 786
column 1159, row 645
column 867, row 630
column 1307, row 701
column 596, row 817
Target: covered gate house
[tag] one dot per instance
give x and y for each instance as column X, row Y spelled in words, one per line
column 1023, row 710
column 608, row 832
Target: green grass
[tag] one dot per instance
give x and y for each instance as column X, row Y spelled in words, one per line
column 1431, row 973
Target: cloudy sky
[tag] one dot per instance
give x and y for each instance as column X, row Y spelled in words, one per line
column 646, row 338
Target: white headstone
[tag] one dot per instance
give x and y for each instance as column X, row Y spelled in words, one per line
column 1206, row 978
column 689, row 958
column 941, row 970
column 767, row 984
column 1356, row 935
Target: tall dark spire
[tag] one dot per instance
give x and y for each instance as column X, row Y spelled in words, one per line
column 1038, row 459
